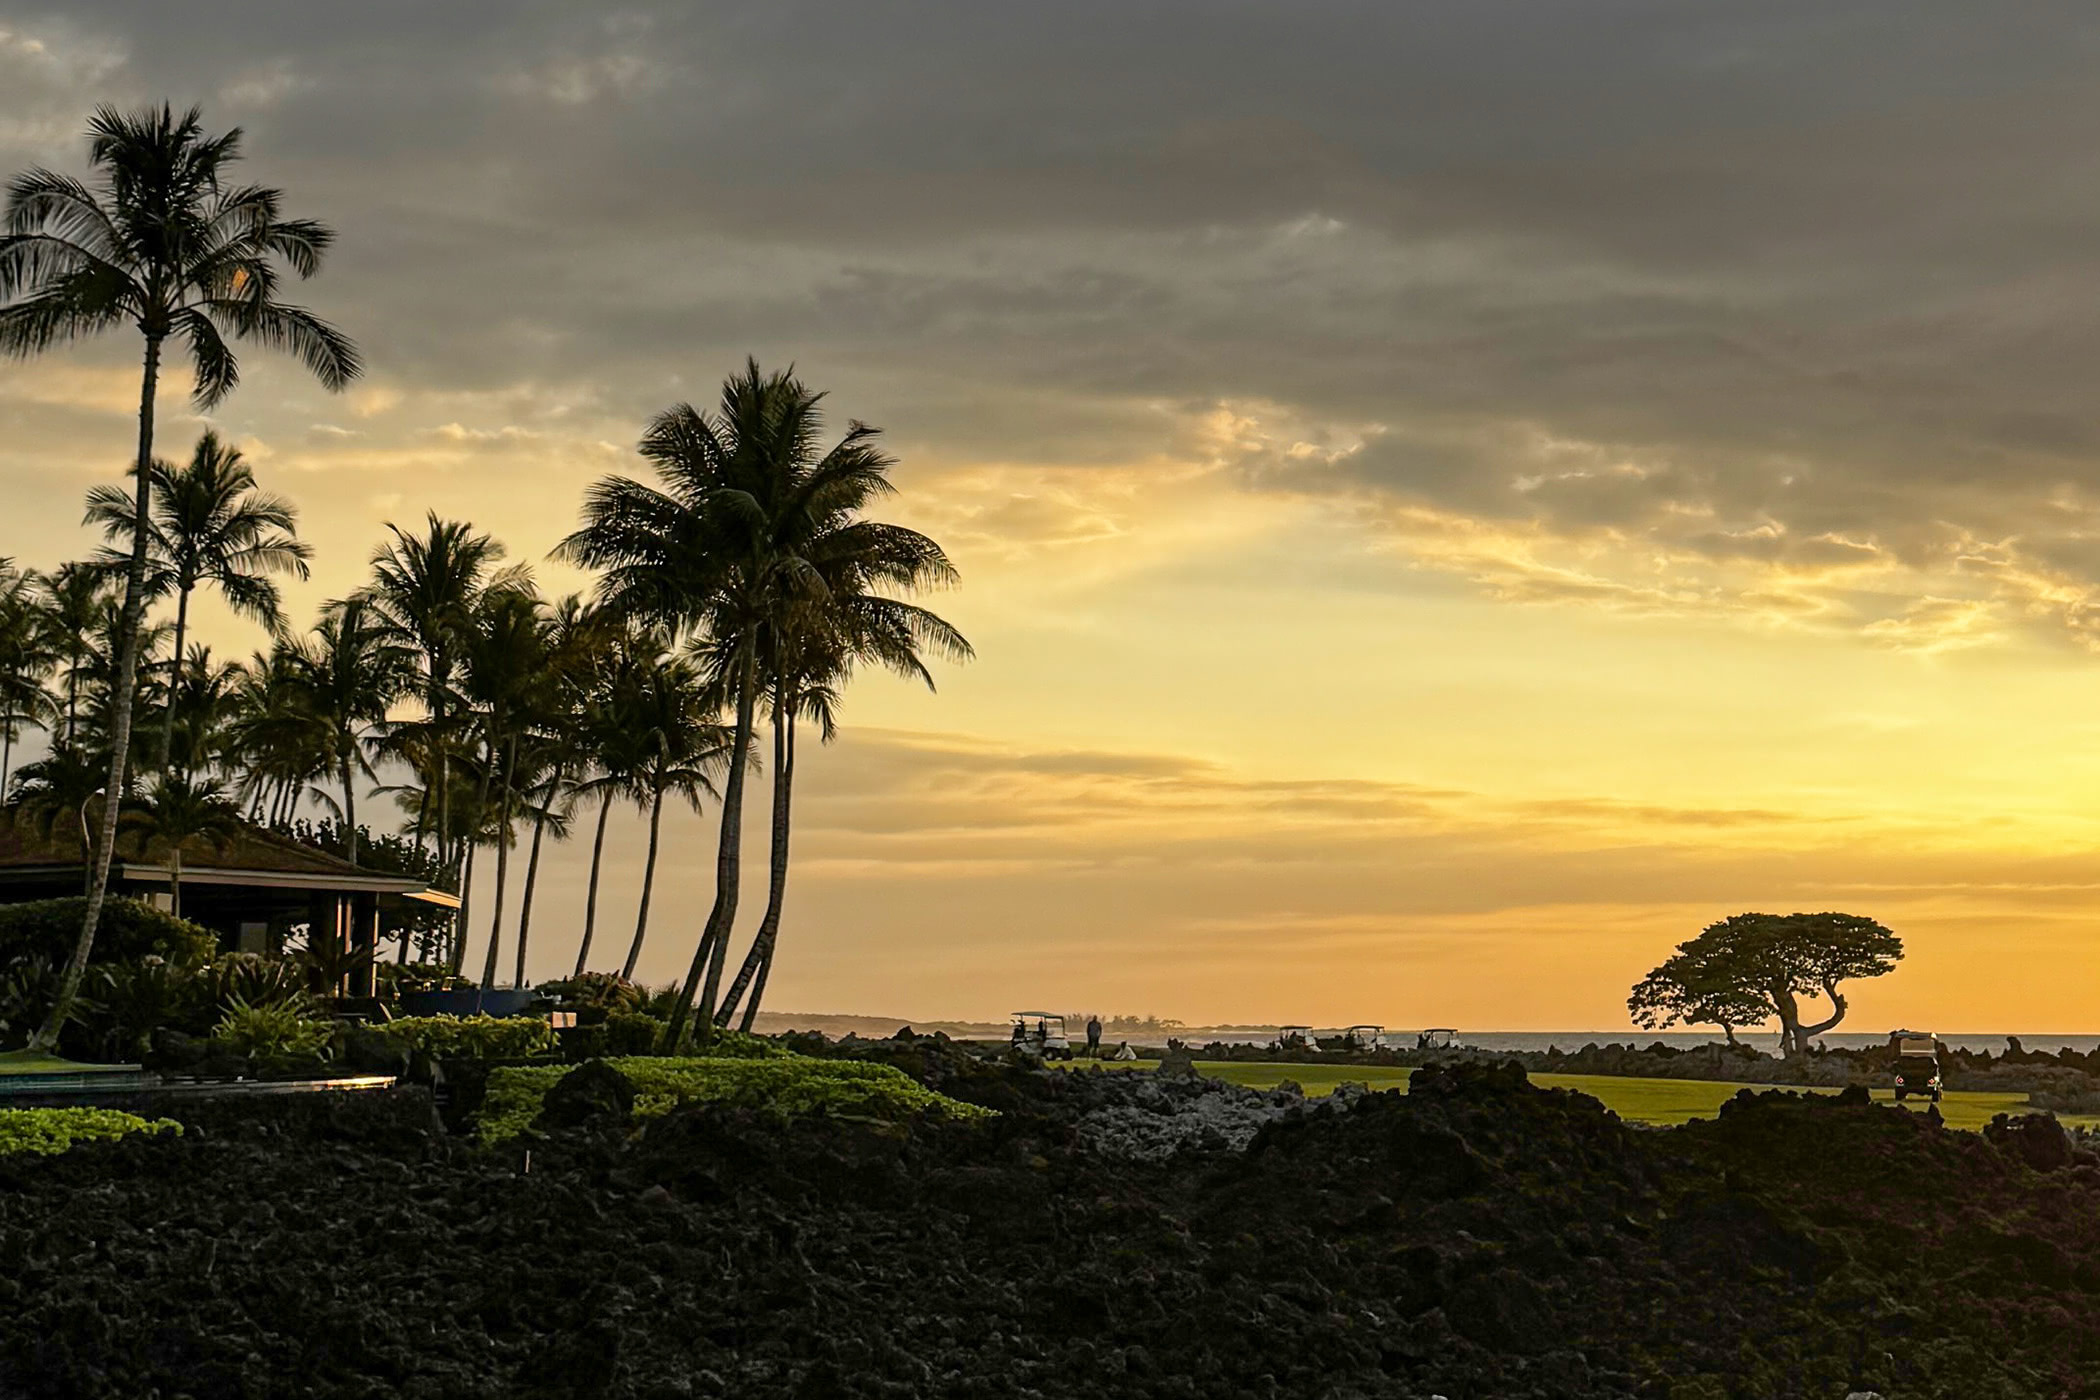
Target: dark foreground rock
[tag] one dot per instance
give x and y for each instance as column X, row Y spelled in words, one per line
column 1476, row 1238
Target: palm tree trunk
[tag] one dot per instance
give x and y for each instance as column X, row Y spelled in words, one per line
column 532, row 875
column 714, row 940
column 72, row 701
column 457, row 953
column 481, row 804
column 175, row 880
column 167, row 720
column 758, row 993
column 590, row 898
column 120, row 728
column 488, row 966
column 641, row 918
column 761, row 953
column 350, row 809
column 7, row 754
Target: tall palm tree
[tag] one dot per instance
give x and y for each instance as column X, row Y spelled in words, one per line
column 812, row 648
column 168, row 246
column 617, row 751
column 681, row 741
column 27, row 656
column 211, row 524
column 348, row 673
column 425, row 586
column 579, row 646
column 508, row 654
column 716, row 549
column 180, row 809
column 74, row 595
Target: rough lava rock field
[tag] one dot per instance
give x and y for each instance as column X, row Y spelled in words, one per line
column 1475, row 1237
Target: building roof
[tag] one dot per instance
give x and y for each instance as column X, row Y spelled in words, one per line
column 252, row 856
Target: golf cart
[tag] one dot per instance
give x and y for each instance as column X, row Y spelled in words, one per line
column 1364, row 1037
column 1917, row 1064
column 1041, row 1034
column 1438, row 1038
column 1295, row 1038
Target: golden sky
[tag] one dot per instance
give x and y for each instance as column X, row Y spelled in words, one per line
column 1438, row 526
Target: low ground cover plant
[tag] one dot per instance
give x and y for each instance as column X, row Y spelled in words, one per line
column 284, row 1031
column 473, row 1037
column 784, row 1085
column 47, row 1131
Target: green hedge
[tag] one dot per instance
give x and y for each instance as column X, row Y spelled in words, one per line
column 48, row 1131
column 474, row 1037
column 128, row 930
column 787, row 1085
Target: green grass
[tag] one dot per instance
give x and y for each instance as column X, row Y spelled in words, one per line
column 1658, row 1101
column 36, row 1062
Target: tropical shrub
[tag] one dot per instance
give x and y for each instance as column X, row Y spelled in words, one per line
column 474, row 1037
column 634, row 1033
column 47, row 1131
column 252, row 978
column 284, row 1031
column 128, row 930
column 132, row 1000
column 783, row 1085
column 593, row 989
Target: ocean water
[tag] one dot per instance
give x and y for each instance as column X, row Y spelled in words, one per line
column 1993, row 1041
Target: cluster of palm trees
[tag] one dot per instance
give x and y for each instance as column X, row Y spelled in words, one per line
column 744, row 586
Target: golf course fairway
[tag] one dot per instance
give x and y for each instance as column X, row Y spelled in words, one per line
column 1655, row 1101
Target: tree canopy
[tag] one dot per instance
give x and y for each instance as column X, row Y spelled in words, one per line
column 1750, row 968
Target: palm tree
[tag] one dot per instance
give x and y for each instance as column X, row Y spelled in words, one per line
column 169, row 247
column 681, row 741
column 210, row 524
column 717, row 551
column 424, row 587
column 280, row 741
column 27, row 656
column 507, row 656
column 616, row 749
column 202, row 706
column 579, row 642
column 812, row 649
column 74, row 595
column 179, row 809
column 349, row 672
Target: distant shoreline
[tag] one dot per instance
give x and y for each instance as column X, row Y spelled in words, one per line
column 838, row 1024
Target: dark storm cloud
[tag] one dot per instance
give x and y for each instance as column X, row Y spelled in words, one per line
column 1771, row 281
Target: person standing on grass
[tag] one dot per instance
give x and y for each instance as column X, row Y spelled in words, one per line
column 1093, row 1037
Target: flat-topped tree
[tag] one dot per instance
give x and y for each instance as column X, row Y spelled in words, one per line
column 1750, row 968
column 163, row 243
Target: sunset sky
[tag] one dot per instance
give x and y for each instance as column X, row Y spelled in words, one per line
column 1450, row 497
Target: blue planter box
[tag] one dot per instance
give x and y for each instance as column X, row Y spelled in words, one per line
column 469, row 1001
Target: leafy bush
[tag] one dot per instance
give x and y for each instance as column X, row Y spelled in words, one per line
column 634, row 1033
column 52, row 1130
column 474, row 1037
column 278, row 1032
column 128, row 930
column 252, row 978
column 786, row 1085
column 593, row 989
column 135, row 999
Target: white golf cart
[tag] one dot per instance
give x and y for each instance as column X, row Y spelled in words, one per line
column 1364, row 1037
column 1041, row 1034
column 1438, row 1038
column 1294, row 1038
